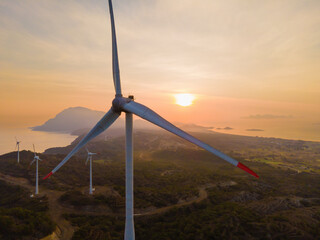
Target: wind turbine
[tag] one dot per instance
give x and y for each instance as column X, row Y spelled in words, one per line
column 89, row 158
column 129, row 106
column 18, row 146
column 36, row 159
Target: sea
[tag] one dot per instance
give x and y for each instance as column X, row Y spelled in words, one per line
column 45, row 140
column 41, row 140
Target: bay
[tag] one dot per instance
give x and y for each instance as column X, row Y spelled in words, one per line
column 41, row 140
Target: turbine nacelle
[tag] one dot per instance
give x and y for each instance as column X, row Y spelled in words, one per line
column 36, row 158
column 119, row 102
column 90, row 153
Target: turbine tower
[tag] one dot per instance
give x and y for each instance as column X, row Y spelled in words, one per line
column 18, row 147
column 89, row 158
column 129, row 107
column 36, row 159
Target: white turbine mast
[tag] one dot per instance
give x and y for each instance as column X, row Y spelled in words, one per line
column 129, row 106
column 18, row 148
column 36, row 159
column 89, row 158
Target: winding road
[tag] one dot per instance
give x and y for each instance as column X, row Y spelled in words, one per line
column 64, row 229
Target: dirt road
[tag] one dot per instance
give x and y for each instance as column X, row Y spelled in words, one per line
column 64, row 229
column 202, row 195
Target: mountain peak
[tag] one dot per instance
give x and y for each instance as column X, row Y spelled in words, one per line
column 73, row 119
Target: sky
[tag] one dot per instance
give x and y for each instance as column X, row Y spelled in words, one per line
column 250, row 64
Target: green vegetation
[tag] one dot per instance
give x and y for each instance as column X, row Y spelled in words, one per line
column 284, row 203
column 22, row 217
column 211, row 219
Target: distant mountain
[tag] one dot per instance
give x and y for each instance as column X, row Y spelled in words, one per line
column 79, row 120
column 193, row 127
column 76, row 120
column 71, row 119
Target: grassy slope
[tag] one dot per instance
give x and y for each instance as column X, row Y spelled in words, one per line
column 282, row 204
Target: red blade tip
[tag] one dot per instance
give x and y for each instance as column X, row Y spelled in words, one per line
column 48, row 175
column 248, row 170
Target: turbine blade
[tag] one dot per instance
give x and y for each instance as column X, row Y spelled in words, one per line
column 87, row 160
column 87, row 150
column 115, row 61
column 102, row 125
column 149, row 115
column 32, row 162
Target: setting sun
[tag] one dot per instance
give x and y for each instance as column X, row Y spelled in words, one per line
column 184, row 99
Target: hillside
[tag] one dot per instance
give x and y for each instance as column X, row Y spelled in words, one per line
column 182, row 192
column 22, row 217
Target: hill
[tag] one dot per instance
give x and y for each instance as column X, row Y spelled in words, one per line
column 78, row 120
column 71, row 119
column 182, row 192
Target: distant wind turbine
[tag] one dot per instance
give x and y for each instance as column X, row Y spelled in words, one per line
column 89, row 158
column 129, row 106
column 36, row 159
column 18, row 146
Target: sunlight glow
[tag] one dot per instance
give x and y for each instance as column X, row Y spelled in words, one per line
column 184, row 99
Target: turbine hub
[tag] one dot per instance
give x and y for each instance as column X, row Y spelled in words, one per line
column 119, row 102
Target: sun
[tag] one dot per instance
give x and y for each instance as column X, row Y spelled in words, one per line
column 184, row 99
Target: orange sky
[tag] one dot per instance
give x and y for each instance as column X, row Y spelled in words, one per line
column 251, row 64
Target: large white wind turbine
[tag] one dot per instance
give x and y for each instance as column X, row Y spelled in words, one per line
column 89, row 158
column 129, row 106
column 36, row 159
column 18, row 146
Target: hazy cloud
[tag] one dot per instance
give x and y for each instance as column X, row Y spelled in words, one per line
column 225, row 128
column 266, row 46
column 268, row 116
column 254, row 130
column 266, row 52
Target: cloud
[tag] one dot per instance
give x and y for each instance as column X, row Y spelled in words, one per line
column 254, row 130
column 268, row 116
column 266, row 50
column 152, row 42
column 225, row 128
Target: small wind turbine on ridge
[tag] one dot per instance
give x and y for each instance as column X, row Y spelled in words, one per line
column 129, row 106
column 18, row 146
column 36, row 159
column 89, row 158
